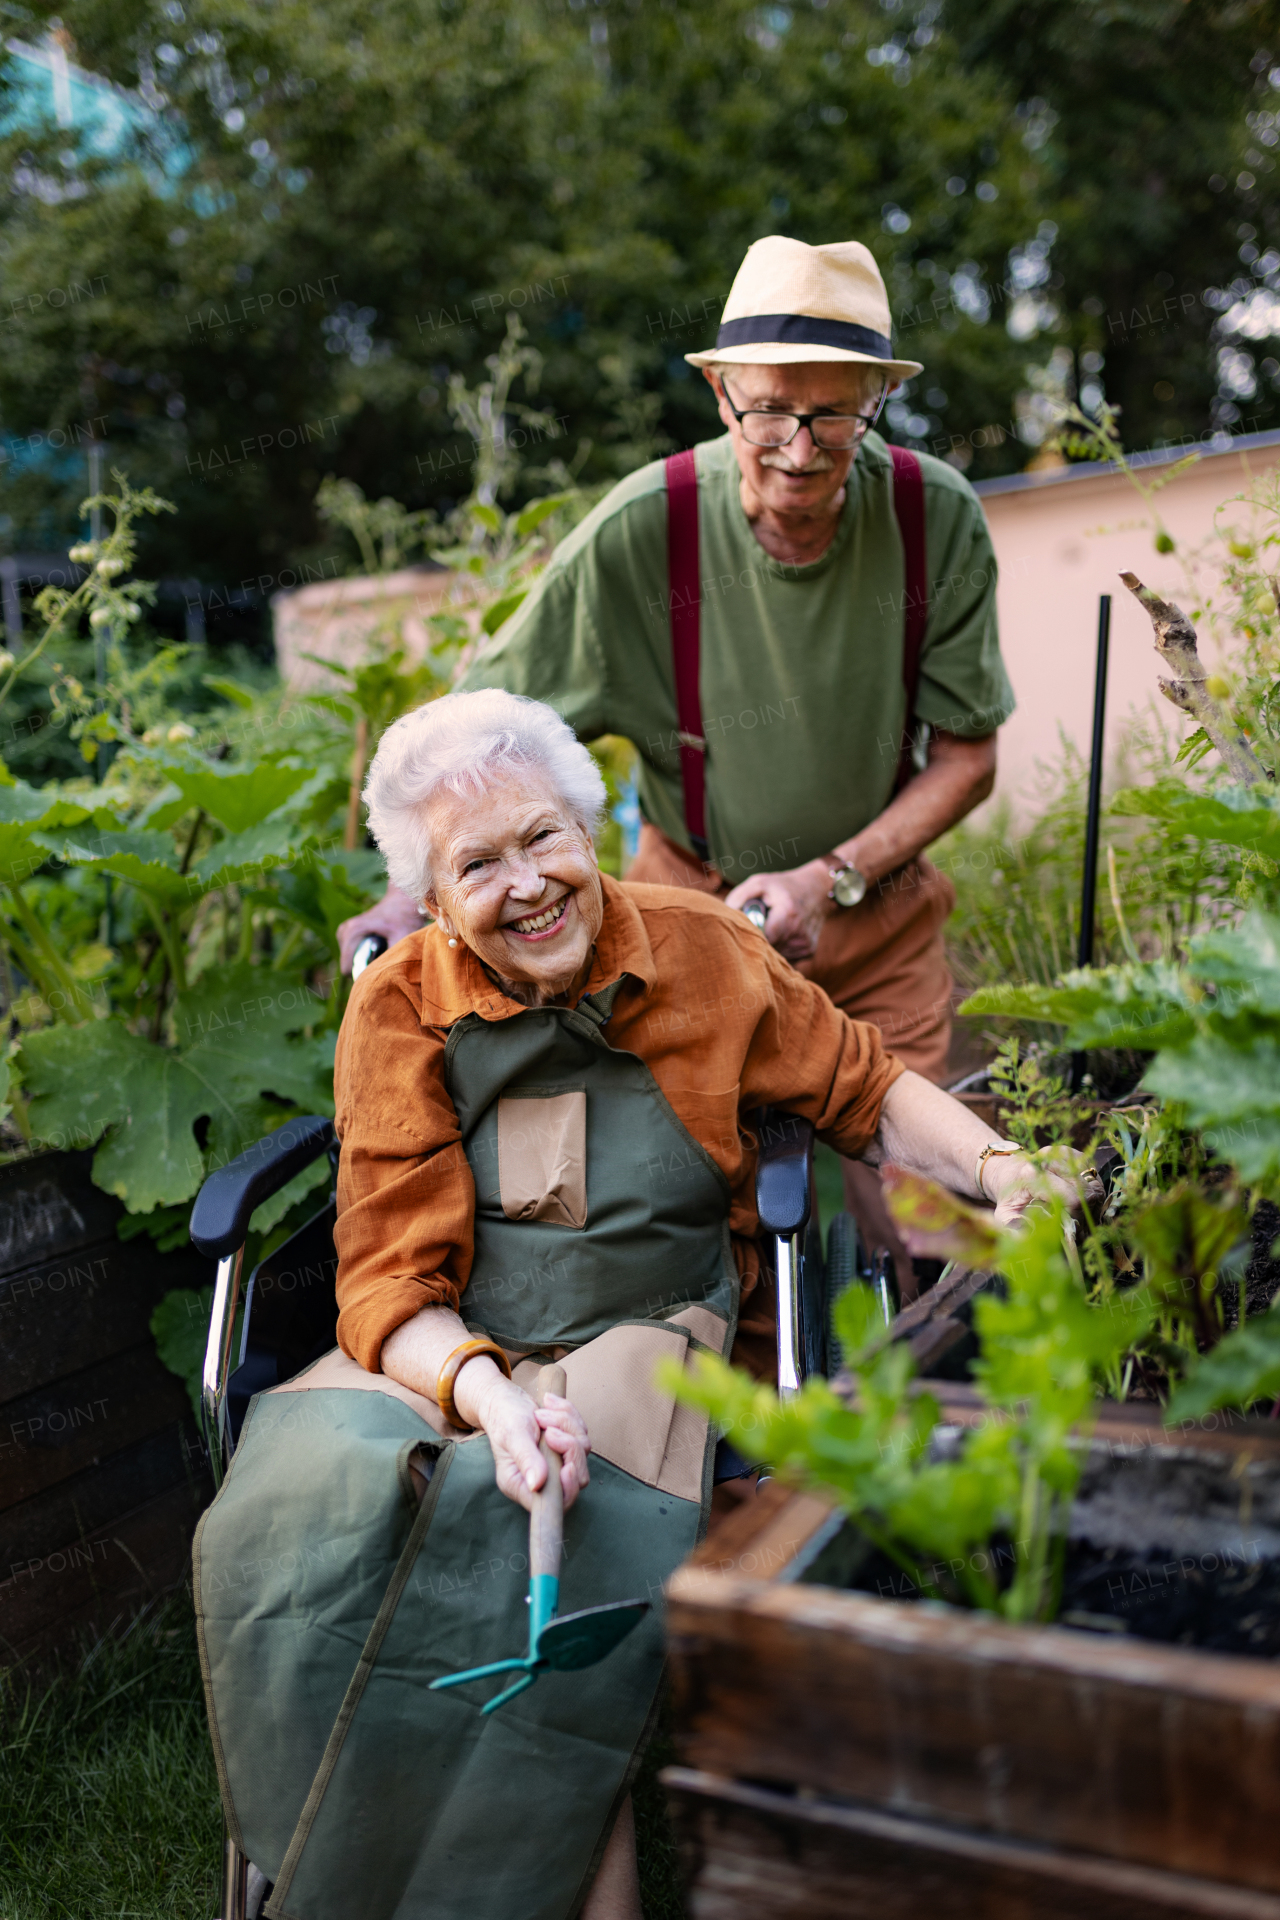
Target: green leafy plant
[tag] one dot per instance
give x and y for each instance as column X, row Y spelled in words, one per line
column 1241, row 1370
column 1037, row 1107
column 104, row 597
column 168, row 936
column 385, row 532
column 180, row 1328
column 496, row 554
column 950, row 1523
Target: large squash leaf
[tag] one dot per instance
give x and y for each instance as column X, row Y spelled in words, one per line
column 245, row 1062
column 245, row 996
column 143, row 856
column 36, row 807
column 1142, row 1007
column 142, row 1102
column 101, row 1079
column 239, row 798
column 245, row 856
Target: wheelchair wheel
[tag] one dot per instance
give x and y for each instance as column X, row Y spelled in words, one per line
column 814, row 1318
column 844, row 1264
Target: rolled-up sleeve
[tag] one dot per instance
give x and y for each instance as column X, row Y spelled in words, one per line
column 806, row 1055
column 406, row 1199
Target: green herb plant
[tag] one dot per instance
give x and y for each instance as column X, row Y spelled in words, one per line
column 948, row 1512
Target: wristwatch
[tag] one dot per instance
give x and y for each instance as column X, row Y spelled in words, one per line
column 848, row 886
column 995, row 1150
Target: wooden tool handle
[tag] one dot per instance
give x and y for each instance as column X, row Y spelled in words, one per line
column 546, row 1516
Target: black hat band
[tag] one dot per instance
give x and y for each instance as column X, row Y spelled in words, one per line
column 802, row 330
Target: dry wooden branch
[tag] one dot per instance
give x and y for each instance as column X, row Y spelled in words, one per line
column 1175, row 640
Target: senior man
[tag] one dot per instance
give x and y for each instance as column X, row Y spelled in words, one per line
column 795, row 625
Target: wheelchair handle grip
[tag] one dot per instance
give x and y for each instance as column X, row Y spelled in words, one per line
column 371, row 948
column 224, row 1204
column 783, row 1172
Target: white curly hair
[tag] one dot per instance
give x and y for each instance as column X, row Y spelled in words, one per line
column 462, row 742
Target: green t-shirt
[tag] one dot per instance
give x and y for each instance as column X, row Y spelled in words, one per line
column 803, row 705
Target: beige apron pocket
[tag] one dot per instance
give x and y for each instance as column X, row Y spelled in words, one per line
column 542, row 1157
column 633, row 1422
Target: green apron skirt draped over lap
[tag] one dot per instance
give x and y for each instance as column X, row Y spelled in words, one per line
column 359, row 1548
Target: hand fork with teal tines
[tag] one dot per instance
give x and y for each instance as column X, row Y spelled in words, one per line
column 574, row 1640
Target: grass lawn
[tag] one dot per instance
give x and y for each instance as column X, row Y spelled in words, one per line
column 109, row 1800
column 108, row 1797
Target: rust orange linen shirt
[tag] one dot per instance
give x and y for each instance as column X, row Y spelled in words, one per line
column 719, row 1018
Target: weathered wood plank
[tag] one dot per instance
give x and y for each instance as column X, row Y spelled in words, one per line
column 87, row 1506
column 1135, row 1424
column 83, row 1418
column 764, row 1535
column 1133, row 1750
column 757, row 1855
column 49, row 1206
column 101, row 1580
column 74, row 1309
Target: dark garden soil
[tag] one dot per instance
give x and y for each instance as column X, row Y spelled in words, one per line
column 1165, row 1544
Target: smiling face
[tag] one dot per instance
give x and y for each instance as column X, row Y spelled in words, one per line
column 515, row 878
column 801, row 478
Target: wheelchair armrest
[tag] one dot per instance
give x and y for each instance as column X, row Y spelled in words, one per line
column 224, row 1204
column 784, row 1172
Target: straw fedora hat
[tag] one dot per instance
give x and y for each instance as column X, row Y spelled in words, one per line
column 791, row 302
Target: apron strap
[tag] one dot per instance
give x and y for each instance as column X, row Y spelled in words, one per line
column 683, row 595
column 598, row 1006
column 908, row 506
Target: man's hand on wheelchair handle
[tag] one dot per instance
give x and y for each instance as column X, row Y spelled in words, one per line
column 393, row 917
column 798, row 903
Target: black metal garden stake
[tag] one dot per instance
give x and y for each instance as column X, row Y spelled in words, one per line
column 1089, row 885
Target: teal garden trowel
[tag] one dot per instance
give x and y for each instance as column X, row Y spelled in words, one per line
column 576, row 1639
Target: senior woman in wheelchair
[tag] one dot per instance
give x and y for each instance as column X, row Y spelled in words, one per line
column 540, row 1100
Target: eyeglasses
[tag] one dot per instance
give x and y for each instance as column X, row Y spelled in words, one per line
column 836, row 432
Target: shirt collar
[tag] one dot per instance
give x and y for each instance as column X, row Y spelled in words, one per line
column 454, row 983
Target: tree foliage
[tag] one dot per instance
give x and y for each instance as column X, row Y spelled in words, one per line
column 334, row 207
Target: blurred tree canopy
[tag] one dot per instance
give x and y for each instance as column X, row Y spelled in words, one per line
column 330, row 208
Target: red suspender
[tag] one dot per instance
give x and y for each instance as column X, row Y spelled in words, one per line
column 684, row 596
column 908, row 505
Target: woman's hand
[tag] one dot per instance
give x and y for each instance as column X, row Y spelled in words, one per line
column 1015, row 1182
column 515, row 1427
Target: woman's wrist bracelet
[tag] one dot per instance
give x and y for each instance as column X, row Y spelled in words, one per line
column 469, row 1350
column 997, row 1150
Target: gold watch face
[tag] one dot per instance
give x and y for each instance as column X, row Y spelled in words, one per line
column 848, row 888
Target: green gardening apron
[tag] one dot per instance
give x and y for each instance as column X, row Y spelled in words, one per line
column 359, row 1550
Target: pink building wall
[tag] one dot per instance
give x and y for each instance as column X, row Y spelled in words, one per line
column 1062, row 538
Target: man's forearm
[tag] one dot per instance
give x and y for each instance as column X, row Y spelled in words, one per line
column 959, row 776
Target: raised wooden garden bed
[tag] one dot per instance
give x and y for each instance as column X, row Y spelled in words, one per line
column 102, row 1476
column 846, row 1754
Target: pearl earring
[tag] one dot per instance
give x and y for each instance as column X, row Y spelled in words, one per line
column 453, row 943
